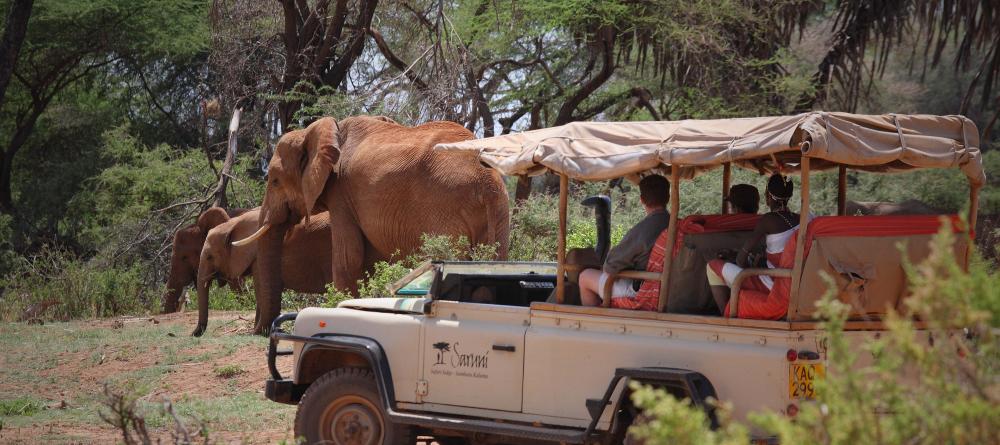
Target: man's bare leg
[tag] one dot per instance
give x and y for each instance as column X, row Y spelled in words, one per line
column 590, row 283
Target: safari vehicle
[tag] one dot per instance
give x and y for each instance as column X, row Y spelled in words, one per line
column 477, row 352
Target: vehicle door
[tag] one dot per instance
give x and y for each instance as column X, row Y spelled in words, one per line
column 474, row 354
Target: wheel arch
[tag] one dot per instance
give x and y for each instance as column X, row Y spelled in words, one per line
column 681, row 383
column 323, row 353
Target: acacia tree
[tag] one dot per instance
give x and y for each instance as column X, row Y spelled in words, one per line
column 542, row 63
column 69, row 41
column 14, row 29
column 865, row 32
column 320, row 46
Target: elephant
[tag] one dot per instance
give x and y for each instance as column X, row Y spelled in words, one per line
column 908, row 207
column 187, row 245
column 384, row 187
column 305, row 261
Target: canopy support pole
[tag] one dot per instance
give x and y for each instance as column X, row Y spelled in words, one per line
column 668, row 250
column 800, row 242
column 842, row 190
column 727, row 170
column 973, row 215
column 561, row 265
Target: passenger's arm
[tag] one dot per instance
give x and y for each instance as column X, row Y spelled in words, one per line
column 759, row 232
column 623, row 255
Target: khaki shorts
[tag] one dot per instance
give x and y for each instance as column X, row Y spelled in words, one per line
column 622, row 287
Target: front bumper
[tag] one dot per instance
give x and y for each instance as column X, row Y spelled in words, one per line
column 283, row 391
column 278, row 388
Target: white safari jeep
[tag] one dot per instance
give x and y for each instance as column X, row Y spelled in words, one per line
column 496, row 351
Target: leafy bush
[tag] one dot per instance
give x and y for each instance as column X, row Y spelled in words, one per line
column 228, row 371
column 225, row 298
column 953, row 396
column 448, row 248
column 57, row 284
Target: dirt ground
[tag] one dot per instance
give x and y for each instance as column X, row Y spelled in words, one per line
column 52, row 379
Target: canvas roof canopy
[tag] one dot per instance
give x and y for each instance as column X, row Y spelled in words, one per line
column 593, row 151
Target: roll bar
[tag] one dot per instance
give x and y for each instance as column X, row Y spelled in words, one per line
column 664, row 278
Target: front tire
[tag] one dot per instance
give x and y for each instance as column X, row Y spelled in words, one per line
column 343, row 408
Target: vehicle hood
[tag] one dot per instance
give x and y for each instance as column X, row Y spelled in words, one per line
column 397, row 305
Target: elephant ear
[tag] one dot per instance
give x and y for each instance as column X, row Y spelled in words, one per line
column 211, row 218
column 239, row 259
column 321, row 153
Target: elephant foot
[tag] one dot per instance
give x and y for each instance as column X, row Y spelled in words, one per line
column 261, row 329
column 199, row 330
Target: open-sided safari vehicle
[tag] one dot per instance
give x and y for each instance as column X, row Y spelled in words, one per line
column 473, row 350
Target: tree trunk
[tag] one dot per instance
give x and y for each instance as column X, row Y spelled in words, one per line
column 227, row 165
column 6, row 200
column 10, row 44
column 21, row 133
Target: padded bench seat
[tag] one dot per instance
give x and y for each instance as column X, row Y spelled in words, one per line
column 862, row 255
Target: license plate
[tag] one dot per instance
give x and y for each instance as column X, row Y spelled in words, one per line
column 802, row 379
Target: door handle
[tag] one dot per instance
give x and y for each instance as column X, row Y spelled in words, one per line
column 507, row 348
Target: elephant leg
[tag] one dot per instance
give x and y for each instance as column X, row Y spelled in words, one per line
column 348, row 245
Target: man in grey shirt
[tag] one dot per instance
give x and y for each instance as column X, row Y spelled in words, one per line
column 633, row 251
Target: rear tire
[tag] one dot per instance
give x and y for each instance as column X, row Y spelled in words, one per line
column 343, row 407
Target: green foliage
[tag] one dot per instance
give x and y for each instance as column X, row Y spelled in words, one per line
column 228, row 371
column 225, row 298
column 911, row 372
column 449, row 248
column 140, row 180
column 670, row 420
column 70, row 287
column 22, row 406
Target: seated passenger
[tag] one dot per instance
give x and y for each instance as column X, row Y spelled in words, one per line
column 744, row 198
column 775, row 228
column 632, row 252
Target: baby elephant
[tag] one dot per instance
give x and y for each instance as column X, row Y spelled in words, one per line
column 305, row 263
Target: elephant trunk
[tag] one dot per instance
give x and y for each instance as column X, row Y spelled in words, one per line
column 171, row 299
column 180, row 277
column 267, row 279
column 205, row 276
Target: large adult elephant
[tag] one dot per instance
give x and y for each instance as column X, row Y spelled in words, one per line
column 305, row 260
column 384, row 187
column 187, row 245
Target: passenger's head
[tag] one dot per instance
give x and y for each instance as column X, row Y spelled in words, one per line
column 744, row 198
column 654, row 191
column 779, row 191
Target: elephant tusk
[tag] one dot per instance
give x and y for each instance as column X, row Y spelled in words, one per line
column 259, row 233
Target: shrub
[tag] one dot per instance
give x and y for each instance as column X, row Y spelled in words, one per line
column 225, row 298
column 228, row 371
column 953, row 396
column 57, row 284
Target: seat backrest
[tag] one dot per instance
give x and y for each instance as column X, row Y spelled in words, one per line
column 863, row 256
column 699, row 238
